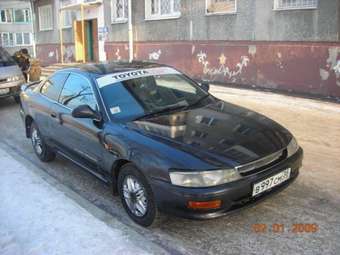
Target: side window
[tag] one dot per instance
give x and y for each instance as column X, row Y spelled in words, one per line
column 77, row 91
column 53, row 86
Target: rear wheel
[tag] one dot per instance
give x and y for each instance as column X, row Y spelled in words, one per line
column 136, row 195
column 41, row 149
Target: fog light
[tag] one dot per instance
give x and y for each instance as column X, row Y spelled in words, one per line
column 214, row 204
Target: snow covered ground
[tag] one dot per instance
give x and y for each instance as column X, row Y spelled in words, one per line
column 38, row 217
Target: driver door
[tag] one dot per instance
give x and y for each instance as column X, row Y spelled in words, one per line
column 78, row 138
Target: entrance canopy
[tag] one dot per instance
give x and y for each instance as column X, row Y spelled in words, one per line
column 75, row 7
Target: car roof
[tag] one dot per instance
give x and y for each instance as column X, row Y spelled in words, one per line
column 111, row 67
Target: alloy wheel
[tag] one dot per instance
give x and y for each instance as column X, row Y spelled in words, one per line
column 135, row 196
column 36, row 141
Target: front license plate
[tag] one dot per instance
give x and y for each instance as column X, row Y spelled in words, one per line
column 4, row 91
column 271, row 182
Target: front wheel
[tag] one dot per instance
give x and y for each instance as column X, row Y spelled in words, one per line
column 136, row 196
column 41, row 149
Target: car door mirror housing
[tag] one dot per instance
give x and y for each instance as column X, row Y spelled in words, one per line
column 86, row 112
column 205, row 86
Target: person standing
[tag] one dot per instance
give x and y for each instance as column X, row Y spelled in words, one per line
column 23, row 60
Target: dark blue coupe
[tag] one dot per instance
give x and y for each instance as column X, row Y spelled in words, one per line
column 159, row 139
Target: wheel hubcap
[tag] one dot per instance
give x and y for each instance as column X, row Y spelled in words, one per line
column 36, row 141
column 135, row 196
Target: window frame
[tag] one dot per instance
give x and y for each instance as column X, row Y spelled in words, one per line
column 43, row 83
column 40, row 8
column 159, row 16
column 63, row 26
column 23, row 10
column 8, row 39
column 115, row 20
column 277, row 8
column 219, row 12
column 23, row 39
column 6, row 17
column 88, row 82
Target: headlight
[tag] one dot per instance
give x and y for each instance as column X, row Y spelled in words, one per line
column 13, row 78
column 204, row 178
column 292, row 147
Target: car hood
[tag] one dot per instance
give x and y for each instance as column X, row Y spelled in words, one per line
column 219, row 133
column 9, row 71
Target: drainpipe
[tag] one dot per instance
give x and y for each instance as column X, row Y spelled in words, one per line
column 130, row 31
column 33, row 29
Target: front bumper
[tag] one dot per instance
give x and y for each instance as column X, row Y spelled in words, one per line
column 14, row 88
column 234, row 196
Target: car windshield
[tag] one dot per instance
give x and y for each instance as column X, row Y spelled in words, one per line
column 161, row 92
column 5, row 58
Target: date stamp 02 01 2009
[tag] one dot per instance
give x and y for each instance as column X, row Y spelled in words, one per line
column 296, row 228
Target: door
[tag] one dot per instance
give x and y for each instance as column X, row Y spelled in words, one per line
column 42, row 106
column 89, row 41
column 78, row 41
column 78, row 138
column 87, row 50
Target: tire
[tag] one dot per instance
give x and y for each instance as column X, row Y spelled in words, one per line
column 41, row 149
column 17, row 99
column 131, row 173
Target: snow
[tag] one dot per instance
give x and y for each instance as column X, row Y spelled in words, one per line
column 38, row 218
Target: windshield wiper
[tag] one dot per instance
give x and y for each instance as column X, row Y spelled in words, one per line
column 167, row 109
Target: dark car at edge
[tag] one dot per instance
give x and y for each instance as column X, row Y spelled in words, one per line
column 159, row 139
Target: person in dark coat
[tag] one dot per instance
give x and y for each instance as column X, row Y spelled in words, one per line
column 23, row 60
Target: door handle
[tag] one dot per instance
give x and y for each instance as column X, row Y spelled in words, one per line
column 53, row 115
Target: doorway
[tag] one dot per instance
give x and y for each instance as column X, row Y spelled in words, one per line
column 88, row 49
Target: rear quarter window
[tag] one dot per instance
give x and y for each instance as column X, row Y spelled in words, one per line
column 52, row 87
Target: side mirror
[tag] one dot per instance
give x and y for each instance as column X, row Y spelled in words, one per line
column 205, row 86
column 86, row 112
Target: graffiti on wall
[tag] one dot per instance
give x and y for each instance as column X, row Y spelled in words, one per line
column 223, row 68
column 155, row 55
column 117, row 54
column 336, row 69
column 332, row 65
column 69, row 53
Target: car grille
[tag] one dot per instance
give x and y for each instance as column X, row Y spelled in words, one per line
column 261, row 164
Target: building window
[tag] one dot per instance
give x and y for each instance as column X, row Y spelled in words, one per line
column 6, row 16
column 22, row 39
column 67, row 15
column 22, row 15
column 45, row 17
column 67, row 19
column 15, row 39
column 220, row 6
column 295, row 4
column 119, row 10
column 162, row 9
column 7, row 39
column 19, row 39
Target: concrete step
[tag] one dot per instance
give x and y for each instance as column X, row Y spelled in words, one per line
column 48, row 70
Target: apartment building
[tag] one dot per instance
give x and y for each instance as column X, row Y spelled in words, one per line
column 287, row 45
column 16, row 25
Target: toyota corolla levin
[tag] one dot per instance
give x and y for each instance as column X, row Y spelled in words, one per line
column 159, row 139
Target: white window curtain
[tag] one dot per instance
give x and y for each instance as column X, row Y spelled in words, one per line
column 220, row 6
column 295, row 4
